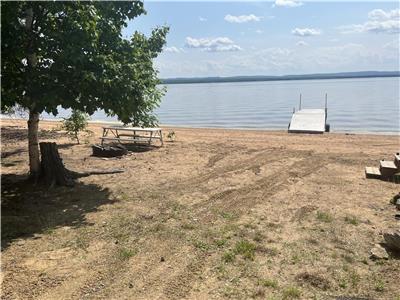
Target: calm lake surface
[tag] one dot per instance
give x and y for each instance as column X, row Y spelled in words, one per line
column 354, row 105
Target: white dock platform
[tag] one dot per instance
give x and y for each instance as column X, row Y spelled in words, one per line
column 308, row 121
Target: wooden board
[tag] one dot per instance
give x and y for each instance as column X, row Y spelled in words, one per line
column 308, row 121
column 372, row 172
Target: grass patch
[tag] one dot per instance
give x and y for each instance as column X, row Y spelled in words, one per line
column 258, row 236
column 125, row 254
column 379, row 285
column 295, row 259
column 188, row 226
column 268, row 283
column 246, row 249
column 291, row 293
column 348, row 258
column 324, row 217
column 228, row 257
column 354, row 278
column 220, row 243
column 342, row 283
column 201, row 245
column 351, row 220
column 228, row 216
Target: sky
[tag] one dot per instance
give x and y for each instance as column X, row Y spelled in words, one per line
column 273, row 38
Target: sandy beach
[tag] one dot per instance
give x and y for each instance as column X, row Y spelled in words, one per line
column 215, row 214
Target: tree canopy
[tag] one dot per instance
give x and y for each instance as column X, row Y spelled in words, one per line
column 80, row 59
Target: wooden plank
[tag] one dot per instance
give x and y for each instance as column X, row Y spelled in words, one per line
column 397, row 159
column 372, row 172
column 387, row 168
column 127, row 140
column 133, row 128
column 308, row 121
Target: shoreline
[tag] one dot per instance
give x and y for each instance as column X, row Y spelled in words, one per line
column 272, row 130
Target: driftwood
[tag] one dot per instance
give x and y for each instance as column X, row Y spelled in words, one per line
column 53, row 171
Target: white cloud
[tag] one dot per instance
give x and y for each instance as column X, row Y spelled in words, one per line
column 379, row 21
column 287, row 3
column 173, row 49
column 301, row 43
column 379, row 14
column 201, row 19
column 306, row 31
column 242, row 19
column 259, row 31
column 219, row 44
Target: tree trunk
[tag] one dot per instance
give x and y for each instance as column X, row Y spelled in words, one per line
column 53, row 170
column 33, row 122
column 33, row 145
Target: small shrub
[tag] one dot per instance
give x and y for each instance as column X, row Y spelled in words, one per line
column 291, row 293
column 75, row 124
column 324, row 217
column 171, row 136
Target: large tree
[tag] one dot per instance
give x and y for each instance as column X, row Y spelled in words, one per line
column 73, row 55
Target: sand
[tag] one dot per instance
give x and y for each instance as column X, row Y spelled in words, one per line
column 215, row 214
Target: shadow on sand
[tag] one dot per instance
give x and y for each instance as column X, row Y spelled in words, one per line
column 28, row 210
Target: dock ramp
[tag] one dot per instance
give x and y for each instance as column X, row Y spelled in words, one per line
column 308, row 121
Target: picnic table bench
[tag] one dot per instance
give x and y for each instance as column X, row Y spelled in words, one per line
column 131, row 134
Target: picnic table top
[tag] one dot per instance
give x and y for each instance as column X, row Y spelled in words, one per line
column 132, row 128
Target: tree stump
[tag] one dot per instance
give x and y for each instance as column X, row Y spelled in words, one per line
column 53, row 171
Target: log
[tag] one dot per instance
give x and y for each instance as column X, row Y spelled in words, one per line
column 53, row 171
column 108, row 151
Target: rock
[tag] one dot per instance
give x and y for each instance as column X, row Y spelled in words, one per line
column 378, row 252
column 398, row 204
column 392, row 239
column 162, row 259
column 130, row 285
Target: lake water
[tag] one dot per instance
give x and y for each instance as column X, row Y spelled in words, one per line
column 354, row 105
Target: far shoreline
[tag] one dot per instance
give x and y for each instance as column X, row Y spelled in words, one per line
column 263, row 78
column 188, row 127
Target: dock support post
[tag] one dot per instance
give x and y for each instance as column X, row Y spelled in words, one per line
column 300, row 103
column 326, row 106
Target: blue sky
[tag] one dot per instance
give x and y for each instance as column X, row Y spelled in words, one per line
column 273, row 38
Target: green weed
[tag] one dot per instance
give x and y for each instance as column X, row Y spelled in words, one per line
column 324, row 216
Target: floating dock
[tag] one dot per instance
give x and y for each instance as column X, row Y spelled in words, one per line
column 309, row 120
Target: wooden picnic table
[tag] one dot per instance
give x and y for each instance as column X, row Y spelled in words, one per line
column 131, row 134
